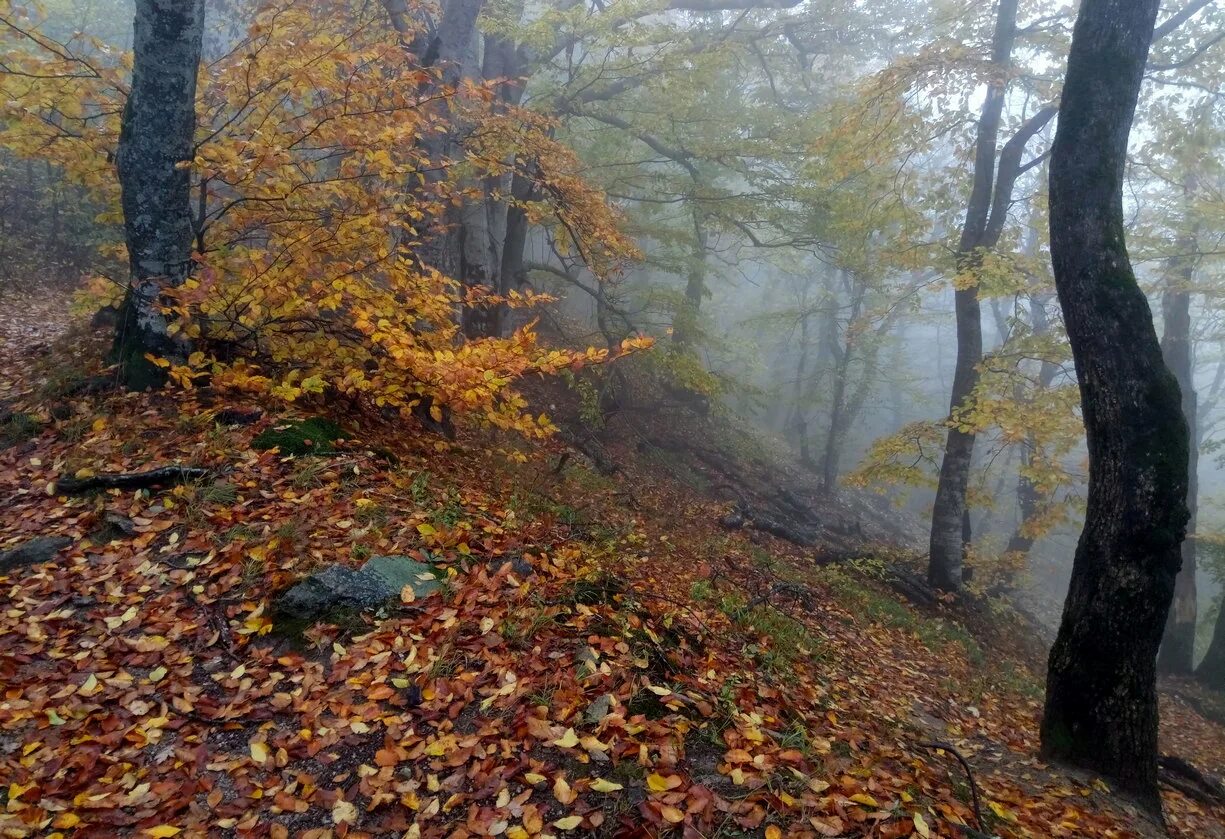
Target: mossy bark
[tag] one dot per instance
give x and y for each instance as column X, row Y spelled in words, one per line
column 156, row 142
column 1101, row 702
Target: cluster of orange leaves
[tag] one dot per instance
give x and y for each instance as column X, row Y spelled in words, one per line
column 316, row 189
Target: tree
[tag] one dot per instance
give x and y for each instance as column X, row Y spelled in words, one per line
column 990, row 198
column 1101, row 702
column 1177, row 653
column 156, row 143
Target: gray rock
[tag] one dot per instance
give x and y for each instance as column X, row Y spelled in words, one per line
column 336, row 587
column 36, row 551
column 598, row 709
column 396, row 572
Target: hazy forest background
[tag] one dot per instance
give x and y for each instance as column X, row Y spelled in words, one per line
column 691, row 374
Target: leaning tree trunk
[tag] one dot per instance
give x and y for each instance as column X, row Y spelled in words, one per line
column 1101, row 699
column 156, row 142
column 944, row 570
column 1177, row 654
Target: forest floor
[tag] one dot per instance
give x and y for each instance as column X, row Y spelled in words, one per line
column 603, row 659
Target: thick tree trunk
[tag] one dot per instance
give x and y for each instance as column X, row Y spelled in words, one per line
column 448, row 48
column 156, row 141
column 1178, row 648
column 1101, row 699
column 946, row 549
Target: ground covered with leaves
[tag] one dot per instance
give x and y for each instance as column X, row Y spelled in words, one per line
column 602, row 657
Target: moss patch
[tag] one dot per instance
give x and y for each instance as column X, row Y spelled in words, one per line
column 17, row 428
column 298, row 437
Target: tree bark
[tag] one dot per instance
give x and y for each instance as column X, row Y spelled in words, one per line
column 945, row 550
column 156, row 140
column 1101, row 700
column 1177, row 653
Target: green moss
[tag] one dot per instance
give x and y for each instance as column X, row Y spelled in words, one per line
column 299, row 437
column 17, row 428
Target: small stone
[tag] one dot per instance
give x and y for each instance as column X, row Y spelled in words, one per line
column 34, row 552
column 598, row 709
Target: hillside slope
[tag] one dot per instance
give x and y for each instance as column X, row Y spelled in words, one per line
column 603, row 656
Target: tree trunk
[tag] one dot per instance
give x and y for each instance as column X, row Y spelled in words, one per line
column 1177, row 654
column 157, row 136
column 441, row 246
column 839, row 415
column 945, row 547
column 1028, row 497
column 800, row 420
column 1211, row 670
column 685, row 329
column 1101, row 699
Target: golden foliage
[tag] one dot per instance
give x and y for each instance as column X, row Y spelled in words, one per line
column 316, row 187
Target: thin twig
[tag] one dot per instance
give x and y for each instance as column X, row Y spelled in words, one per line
column 965, row 764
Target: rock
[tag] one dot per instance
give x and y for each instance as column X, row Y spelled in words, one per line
column 520, row 566
column 337, row 588
column 396, row 572
column 113, row 526
column 238, row 416
column 598, row 709
column 33, row 552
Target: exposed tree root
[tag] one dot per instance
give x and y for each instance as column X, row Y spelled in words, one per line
column 1178, row 774
column 132, row 480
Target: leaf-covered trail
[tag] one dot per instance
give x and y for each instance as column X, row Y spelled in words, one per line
column 623, row 687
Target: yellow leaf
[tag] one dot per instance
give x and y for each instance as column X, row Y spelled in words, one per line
column 773, row 832
column 672, row 814
column 259, row 751
column 920, row 826
column 426, row 529
column 568, row 740
column 163, row 831
column 533, row 778
column 1001, row 811
column 601, row 785
column 864, row 799
column 157, row 674
column 562, row 791
column 657, row 782
column 568, row 823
